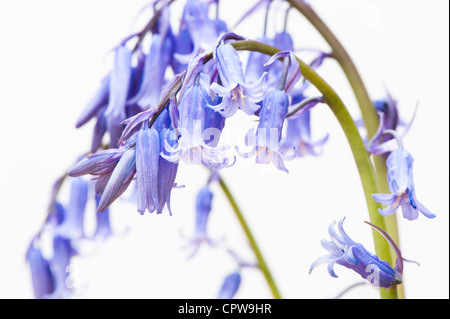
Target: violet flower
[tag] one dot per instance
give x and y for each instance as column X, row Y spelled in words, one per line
column 167, row 172
column 183, row 46
column 147, row 159
column 282, row 41
column 293, row 74
column 163, row 172
column 156, row 62
column 98, row 100
column 202, row 30
column 113, row 169
column 118, row 93
column 140, row 156
column 256, row 62
column 103, row 227
column 41, row 273
column 202, row 210
column 345, row 252
column 230, row 286
column 235, row 92
column 267, row 139
column 298, row 133
column 60, row 263
column 190, row 146
column 72, row 226
column 399, row 175
column 119, row 179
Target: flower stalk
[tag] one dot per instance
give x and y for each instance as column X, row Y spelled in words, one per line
column 362, row 159
column 261, row 262
column 368, row 112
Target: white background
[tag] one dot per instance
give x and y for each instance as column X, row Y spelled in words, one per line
column 53, row 55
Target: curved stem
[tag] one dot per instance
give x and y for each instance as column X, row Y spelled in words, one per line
column 363, row 163
column 368, row 112
column 261, row 262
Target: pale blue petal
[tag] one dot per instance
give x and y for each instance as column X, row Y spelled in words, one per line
column 120, row 178
column 385, row 199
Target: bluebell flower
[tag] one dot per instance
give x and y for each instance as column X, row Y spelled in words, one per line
column 147, row 159
column 400, row 178
column 293, row 74
column 213, row 125
column 282, row 41
column 298, row 135
column 381, row 143
column 156, row 63
column 345, row 252
column 182, row 46
column 140, row 156
column 103, row 228
column 190, row 146
column 41, row 273
column 118, row 93
column 110, row 105
column 203, row 203
column 166, row 170
column 72, row 226
column 98, row 101
column 235, row 92
column 267, row 139
column 298, row 132
column 389, row 119
column 100, row 163
column 256, row 61
column 203, row 31
column 388, row 106
column 113, row 171
column 60, row 264
column 118, row 180
column 100, row 130
column 230, row 286
column 96, row 107
column 191, row 112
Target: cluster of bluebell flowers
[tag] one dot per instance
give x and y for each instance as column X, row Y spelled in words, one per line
column 167, row 101
column 61, row 238
column 152, row 127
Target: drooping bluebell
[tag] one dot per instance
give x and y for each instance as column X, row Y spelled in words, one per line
column 401, row 185
column 41, row 274
column 230, row 286
column 345, row 252
column 203, row 202
column 72, row 226
column 266, row 140
column 235, row 92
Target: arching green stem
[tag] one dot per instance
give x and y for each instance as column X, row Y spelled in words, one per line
column 362, row 160
column 261, row 262
column 368, row 112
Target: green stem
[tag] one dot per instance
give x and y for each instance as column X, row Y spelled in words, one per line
column 363, row 163
column 261, row 262
column 390, row 221
column 368, row 112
